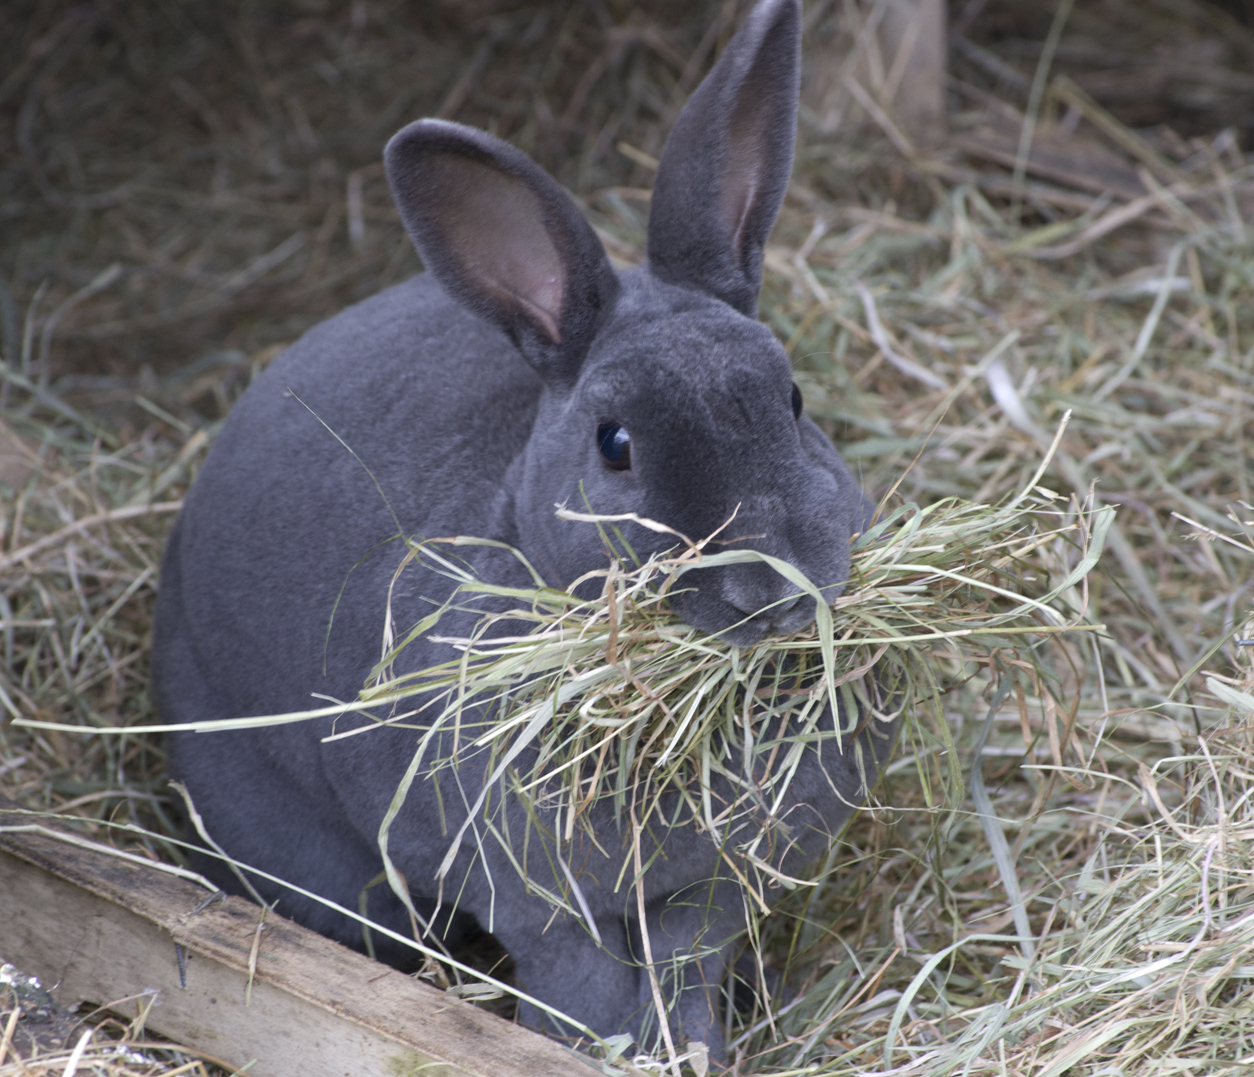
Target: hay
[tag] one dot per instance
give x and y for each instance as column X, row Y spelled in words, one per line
column 624, row 703
column 1140, row 963
column 83, row 539
column 886, row 276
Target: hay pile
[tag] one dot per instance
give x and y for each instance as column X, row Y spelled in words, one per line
column 963, row 293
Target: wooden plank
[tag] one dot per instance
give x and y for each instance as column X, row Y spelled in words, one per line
column 97, row 928
column 916, row 50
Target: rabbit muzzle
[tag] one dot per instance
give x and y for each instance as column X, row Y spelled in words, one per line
column 746, row 601
column 743, row 603
column 763, row 595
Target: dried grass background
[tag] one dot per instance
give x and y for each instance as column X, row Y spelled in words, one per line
column 224, row 159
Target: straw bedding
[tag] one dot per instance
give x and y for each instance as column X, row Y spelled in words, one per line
column 944, row 310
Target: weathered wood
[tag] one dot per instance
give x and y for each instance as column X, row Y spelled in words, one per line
column 915, row 48
column 895, row 72
column 97, row 928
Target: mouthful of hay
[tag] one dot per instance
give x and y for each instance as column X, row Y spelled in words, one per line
column 583, row 702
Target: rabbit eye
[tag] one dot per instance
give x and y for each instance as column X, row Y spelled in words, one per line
column 615, row 445
column 796, row 401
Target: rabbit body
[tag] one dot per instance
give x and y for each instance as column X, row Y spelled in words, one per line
column 475, row 395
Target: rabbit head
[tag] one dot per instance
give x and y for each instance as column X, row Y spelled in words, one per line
column 663, row 395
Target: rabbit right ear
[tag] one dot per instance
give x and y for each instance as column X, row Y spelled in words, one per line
column 504, row 239
column 726, row 165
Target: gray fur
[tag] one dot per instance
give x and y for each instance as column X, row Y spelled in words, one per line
column 473, row 394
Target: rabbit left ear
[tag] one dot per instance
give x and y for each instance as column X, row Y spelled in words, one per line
column 727, row 163
column 504, row 239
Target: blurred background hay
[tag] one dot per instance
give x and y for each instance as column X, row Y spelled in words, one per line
column 186, row 188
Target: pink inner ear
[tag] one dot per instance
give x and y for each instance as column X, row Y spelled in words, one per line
column 742, row 173
column 494, row 228
column 740, row 188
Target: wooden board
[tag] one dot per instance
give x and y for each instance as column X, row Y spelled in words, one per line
column 97, row 928
column 915, row 49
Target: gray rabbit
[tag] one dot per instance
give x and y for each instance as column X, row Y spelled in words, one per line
column 520, row 372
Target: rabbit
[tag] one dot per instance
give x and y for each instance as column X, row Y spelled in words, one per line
column 520, row 371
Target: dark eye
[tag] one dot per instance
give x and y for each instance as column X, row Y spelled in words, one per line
column 615, row 445
column 796, row 401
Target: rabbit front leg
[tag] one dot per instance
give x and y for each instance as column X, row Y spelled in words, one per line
column 607, row 987
column 596, row 984
column 690, row 935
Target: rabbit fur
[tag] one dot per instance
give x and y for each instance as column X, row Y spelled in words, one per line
column 474, row 394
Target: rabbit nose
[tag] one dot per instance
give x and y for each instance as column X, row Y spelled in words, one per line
column 777, row 611
column 755, row 587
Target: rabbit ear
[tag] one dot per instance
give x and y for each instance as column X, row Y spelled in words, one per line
column 727, row 162
column 504, row 239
